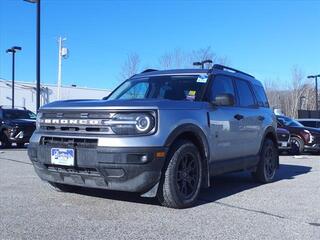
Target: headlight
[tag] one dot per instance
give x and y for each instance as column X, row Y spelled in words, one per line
column 132, row 123
column 39, row 115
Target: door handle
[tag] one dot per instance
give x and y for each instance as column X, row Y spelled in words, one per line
column 238, row 116
column 261, row 118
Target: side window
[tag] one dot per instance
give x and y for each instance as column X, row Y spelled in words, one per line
column 309, row 123
column 261, row 96
column 246, row 98
column 221, row 84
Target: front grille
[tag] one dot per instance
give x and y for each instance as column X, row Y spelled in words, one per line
column 69, row 142
column 72, row 170
column 283, row 137
column 96, row 128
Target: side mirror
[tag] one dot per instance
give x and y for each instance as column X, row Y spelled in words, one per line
column 223, row 99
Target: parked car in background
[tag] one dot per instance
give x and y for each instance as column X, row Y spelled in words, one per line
column 16, row 126
column 310, row 122
column 302, row 138
column 284, row 140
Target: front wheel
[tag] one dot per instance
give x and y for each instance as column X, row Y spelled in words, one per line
column 4, row 141
column 297, row 146
column 268, row 163
column 181, row 181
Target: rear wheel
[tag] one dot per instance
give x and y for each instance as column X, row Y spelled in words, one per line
column 297, row 146
column 60, row 187
column 181, row 181
column 268, row 162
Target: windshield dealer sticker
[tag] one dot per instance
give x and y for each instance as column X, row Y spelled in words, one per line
column 202, row 79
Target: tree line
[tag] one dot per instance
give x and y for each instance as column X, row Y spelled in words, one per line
column 298, row 94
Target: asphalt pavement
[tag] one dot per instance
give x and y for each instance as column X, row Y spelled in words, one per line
column 234, row 208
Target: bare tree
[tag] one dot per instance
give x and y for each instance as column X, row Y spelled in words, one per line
column 130, row 66
column 178, row 58
column 174, row 59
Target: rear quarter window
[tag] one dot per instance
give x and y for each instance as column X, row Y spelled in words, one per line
column 261, row 96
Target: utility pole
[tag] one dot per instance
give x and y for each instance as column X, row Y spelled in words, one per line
column 316, row 89
column 63, row 52
column 13, row 50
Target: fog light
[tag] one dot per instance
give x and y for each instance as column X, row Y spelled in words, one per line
column 144, row 158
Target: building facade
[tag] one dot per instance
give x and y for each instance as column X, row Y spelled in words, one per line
column 25, row 93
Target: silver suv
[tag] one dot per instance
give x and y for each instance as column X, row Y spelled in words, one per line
column 162, row 134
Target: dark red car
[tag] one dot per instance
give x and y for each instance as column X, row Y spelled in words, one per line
column 302, row 138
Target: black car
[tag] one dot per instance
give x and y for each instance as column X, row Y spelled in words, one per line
column 16, row 126
column 284, row 140
column 310, row 122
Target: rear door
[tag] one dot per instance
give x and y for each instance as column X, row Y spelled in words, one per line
column 248, row 139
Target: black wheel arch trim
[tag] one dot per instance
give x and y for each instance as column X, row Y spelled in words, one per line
column 201, row 138
column 270, row 130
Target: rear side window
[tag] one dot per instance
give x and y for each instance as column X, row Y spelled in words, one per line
column 261, row 96
column 221, row 84
column 246, row 99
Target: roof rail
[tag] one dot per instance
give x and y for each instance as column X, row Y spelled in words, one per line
column 222, row 67
column 149, row 70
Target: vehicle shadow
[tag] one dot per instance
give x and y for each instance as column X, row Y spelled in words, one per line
column 233, row 183
column 222, row 186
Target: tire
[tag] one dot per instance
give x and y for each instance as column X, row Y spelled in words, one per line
column 20, row 145
column 60, row 187
column 297, row 146
column 181, row 181
column 4, row 141
column 268, row 163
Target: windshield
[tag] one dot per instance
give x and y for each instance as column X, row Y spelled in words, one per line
column 289, row 122
column 18, row 114
column 188, row 88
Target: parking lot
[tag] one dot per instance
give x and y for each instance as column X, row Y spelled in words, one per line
column 234, row 208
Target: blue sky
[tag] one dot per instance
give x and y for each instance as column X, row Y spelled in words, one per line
column 264, row 38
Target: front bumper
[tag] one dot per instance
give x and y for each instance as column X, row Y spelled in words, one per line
column 312, row 148
column 284, row 145
column 110, row 168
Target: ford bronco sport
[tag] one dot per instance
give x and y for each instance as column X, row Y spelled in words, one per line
column 162, row 134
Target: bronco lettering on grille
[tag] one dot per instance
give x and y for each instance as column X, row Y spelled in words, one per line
column 72, row 121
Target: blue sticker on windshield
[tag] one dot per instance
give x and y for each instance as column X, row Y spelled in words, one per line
column 202, row 79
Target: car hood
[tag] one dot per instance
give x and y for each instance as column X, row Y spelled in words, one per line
column 123, row 104
column 21, row 122
column 282, row 131
column 311, row 130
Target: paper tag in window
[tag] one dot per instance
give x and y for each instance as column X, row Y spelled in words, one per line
column 202, row 79
column 191, row 95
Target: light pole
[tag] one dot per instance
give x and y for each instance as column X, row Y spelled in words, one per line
column 38, row 50
column 316, row 88
column 13, row 50
column 202, row 63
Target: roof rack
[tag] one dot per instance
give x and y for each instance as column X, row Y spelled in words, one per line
column 222, row 67
column 149, row 70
